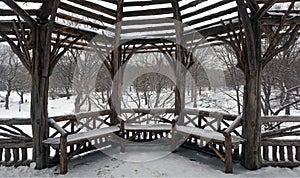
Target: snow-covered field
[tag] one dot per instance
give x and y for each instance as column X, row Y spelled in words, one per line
column 183, row 163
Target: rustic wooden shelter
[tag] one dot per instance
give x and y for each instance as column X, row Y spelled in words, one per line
column 41, row 31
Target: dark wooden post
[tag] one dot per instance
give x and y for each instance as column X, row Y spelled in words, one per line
column 180, row 74
column 39, row 65
column 116, row 57
column 39, row 95
column 251, row 156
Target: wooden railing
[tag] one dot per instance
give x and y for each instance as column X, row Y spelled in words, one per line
column 147, row 117
column 281, row 146
column 80, row 123
column 15, row 144
column 216, row 121
column 277, row 149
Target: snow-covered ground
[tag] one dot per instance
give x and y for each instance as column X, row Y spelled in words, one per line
column 183, row 163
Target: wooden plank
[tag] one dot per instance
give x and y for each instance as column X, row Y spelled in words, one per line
column 63, row 155
column 24, row 154
column 274, row 153
column 281, row 153
column 266, row 153
column 1, row 152
column 290, row 153
column 266, row 119
column 297, row 156
column 281, row 164
column 15, row 121
column 85, row 13
column 16, row 154
column 7, row 155
column 277, row 142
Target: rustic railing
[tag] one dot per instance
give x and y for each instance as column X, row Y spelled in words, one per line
column 76, row 123
column 278, row 147
column 215, row 121
column 142, row 117
column 15, row 143
column 281, row 146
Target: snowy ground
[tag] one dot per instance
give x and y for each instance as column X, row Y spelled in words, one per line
column 183, row 163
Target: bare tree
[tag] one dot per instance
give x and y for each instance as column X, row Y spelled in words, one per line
column 22, row 83
column 62, row 75
column 11, row 65
column 233, row 75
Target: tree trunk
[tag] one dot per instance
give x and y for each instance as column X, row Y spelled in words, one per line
column 67, row 92
column 22, row 97
column 157, row 100
column 251, row 156
column 39, row 97
column 195, row 97
column 251, row 121
column 238, row 99
column 7, row 95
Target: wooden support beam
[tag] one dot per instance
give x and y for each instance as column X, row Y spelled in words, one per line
column 96, row 7
column 263, row 10
column 18, row 10
column 86, row 13
column 148, row 12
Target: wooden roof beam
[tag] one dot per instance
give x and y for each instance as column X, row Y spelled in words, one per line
column 96, row 7
column 263, row 10
column 8, row 12
column 21, row 12
column 145, row 3
column 148, row 12
column 84, row 22
column 83, row 12
column 207, row 8
column 211, row 16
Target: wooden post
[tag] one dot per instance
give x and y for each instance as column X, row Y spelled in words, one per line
column 297, row 153
column 251, row 156
column 7, row 155
column 63, row 155
column 281, row 153
column 274, row 153
column 1, row 152
column 39, row 96
column 116, row 63
column 228, row 154
column 16, row 154
column 266, row 153
column 24, row 154
column 180, row 74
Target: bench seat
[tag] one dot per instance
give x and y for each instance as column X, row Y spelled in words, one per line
column 205, row 134
column 150, row 127
column 82, row 136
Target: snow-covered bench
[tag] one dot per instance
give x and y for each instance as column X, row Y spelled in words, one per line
column 213, row 137
column 66, row 140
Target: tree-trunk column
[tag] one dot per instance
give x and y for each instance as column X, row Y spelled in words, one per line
column 116, row 57
column 251, row 156
column 39, row 97
column 180, row 74
column 251, row 122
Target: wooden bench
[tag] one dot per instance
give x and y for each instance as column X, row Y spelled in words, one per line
column 66, row 140
column 212, row 137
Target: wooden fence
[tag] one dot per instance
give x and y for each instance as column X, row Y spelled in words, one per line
column 281, row 146
column 15, row 144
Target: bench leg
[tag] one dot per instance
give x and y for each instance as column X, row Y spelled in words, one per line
column 228, row 155
column 63, row 155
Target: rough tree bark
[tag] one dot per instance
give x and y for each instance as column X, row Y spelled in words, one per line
column 251, row 157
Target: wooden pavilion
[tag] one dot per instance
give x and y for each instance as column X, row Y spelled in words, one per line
column 41, row 31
